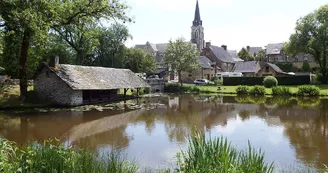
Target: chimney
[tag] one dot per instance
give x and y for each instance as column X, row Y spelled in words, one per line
column 208, row 44
column 224, row 47
column 54, row 62
column 248, row 48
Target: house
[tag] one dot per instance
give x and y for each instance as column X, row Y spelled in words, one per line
column 257, row 68
column 220, row 55
column 275, row 53
column 207, row 70
column 73, row 85
column 254, row 50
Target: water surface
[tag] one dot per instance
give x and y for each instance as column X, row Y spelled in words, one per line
column 291, row 131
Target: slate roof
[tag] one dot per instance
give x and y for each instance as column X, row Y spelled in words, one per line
column 161, row 47
column 274, row 49
column 247, row 67
column 275, row 68
column 234, row 55
column 221, row 54
column 205, row 62
column 97, row 78
column 253, row 50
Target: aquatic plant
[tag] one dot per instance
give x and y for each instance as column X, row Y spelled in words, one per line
column 51, row 157
column 217, row 155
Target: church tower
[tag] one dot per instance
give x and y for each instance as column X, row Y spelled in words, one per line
column 197, row 30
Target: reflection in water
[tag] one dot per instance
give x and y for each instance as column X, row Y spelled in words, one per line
column 295, row 128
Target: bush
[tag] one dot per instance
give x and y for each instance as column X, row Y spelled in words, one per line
column 257, row 90
column 306, row 67
column 287, row 80
column 270, row 82
column 242, row 90
column 176, row 88
column 308, row 90
column 281, row 90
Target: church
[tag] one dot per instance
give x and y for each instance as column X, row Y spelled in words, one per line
column 212, row 58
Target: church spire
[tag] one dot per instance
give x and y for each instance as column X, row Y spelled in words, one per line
column 197, row 21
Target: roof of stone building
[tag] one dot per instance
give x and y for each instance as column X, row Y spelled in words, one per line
column 221, row 54
column 275, row 68
column 247, row 67
column 274, row 49
column 161, row 47
column 205, row 62
column 253, row 50
column 234, row 55
column 97, row 78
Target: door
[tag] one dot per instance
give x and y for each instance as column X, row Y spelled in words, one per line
column 172, row 76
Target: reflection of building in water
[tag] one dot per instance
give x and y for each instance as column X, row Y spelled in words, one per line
column 173, row 102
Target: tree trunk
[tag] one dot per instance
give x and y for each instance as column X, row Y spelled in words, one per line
column 179, row 76
column 22, row 65
column 79, row 57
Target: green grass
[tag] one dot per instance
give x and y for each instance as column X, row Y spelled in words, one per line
column 232, row 89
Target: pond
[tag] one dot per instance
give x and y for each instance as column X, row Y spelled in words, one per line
column 293, row 132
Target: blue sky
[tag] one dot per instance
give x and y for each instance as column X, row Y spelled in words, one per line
column 236, row 23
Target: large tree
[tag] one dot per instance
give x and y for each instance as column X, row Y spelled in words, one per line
column 31, row 21
column 111, row 49
column 245, row 55
column 181, row 56
column 311, row 37
column 139, row 61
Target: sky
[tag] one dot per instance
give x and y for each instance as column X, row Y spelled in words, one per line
column 235, row 23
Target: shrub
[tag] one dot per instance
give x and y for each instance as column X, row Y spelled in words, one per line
column 257, row 90
column 306, row 67
column 308, row 90
column 242, row 90
column 270, row 82
column 218, row 155
column 173, row 88
column 286, row 80
column 281, row 90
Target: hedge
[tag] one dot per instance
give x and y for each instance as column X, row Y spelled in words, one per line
column 288, row 80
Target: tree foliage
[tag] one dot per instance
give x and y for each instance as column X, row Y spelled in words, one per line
column 260, row 56
column 181, row 56
column 245, row 55
column 30, row 21
column 311, row 37
column 139, row 61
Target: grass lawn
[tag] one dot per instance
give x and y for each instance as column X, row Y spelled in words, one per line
column 9, row 98
column 232, row 89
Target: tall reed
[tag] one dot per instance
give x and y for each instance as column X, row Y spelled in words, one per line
column 217, row 155
column 50, row 157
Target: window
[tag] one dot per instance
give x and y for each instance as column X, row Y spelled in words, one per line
column 47, row 73
column 267, row 69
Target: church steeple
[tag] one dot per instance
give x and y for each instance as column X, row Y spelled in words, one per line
column 197, row 21
column 197, row 30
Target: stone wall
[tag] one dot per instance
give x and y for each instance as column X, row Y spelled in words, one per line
column 197, row 74
column 50, row 87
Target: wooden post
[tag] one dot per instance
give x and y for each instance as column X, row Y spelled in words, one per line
column 125, row 90
column 138, row 89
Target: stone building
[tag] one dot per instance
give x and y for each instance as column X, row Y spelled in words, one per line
column 275, row 53
column 197, row 30
column 73, row 85
column 207, row 70
column 257, row 68
column 224, row 59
